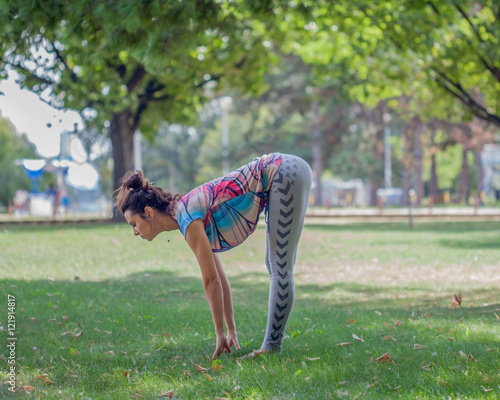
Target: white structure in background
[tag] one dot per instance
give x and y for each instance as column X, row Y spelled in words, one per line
column 138, row 151
column 221, row 105
column 345, row 193
column 490, row 157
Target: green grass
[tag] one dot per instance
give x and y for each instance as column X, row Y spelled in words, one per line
column 101, row 314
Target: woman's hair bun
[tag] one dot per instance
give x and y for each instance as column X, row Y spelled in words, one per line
column 135, row 181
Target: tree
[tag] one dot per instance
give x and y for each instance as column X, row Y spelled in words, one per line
column 12, row 147
column 133, row 64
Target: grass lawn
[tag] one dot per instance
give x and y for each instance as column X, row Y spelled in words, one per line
column 101, row 314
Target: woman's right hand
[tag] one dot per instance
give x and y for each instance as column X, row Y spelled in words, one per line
column 232, row 340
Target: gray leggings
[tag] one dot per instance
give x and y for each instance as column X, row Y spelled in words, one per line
column 288, row 199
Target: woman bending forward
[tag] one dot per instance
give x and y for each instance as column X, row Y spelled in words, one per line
column 220, row 215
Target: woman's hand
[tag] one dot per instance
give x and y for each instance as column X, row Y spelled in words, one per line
column 232, row 339
column 222, row 346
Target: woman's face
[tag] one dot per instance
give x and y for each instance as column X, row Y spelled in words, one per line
column 140, row 226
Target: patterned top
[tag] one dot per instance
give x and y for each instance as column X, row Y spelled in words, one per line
column 230, row 205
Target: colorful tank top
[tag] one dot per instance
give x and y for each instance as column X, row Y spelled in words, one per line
column 230, row 206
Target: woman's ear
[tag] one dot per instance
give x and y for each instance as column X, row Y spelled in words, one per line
column 149, row 212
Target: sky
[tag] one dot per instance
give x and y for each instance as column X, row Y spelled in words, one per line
column 41, row 123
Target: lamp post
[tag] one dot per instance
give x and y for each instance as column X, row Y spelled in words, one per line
column 222, row 104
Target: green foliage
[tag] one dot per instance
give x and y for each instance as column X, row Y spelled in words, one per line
column 12, row 177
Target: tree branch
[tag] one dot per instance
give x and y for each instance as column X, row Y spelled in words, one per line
column 490, row 67
column 136, row 77
column 456, row 89
column 59, row 57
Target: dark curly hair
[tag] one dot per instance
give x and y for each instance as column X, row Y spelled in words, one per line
column 136, row 192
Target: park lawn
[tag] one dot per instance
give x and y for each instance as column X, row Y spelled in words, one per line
column 101, row 314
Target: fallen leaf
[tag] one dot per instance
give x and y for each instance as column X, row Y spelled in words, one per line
column 442, row 382
column 496, row 315
column 486, row 390
column 385, row 358
column 470, row 358
column 79, row 334
column 418, row 346
column 312, row 358
column 111, row 352
column 351, row 321
column 209, row 377
column 378, row 313
column 199, row 368
column 126, row 373
column 166, row 335
column 451, row 339
column 344, row 344
column 49, row 382
column 43, row 376
column 226, row 393
column 388, row 337
column 186, row 373
column 457, row 300
column 462, row 354
column 27, row 388
column 215, row 367
column 355, row 337
column 65, row 318
column 488, row 349
column 398, row 323
column 168, row 394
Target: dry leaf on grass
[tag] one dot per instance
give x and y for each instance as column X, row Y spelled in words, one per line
column 344, row 344
column 312, row 358
column 215, row 367
column 169, row 394
column 418, row 346
column 386, row 358
column 199, row 368
column 351, row 321
column 470, row 358
column 398, row 323
column 209, row 377
column 457, row 300
column 486, row 390
column 355, row 337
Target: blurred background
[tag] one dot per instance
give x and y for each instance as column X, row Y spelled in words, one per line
column 393, row 103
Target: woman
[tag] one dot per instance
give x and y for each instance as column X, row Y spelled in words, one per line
column 220, row 215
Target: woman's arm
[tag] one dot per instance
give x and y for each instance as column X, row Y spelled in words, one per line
column 232, row 336
column 198, row 241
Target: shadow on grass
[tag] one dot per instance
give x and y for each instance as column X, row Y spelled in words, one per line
column 435, row 227
column 91, row 337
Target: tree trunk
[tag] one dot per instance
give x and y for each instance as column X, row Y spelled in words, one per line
column 122, row 140
column 418, row 159
column 464, row 182
column 479, row 174
column 433, row 180
column 407, row 164
column 317, row 155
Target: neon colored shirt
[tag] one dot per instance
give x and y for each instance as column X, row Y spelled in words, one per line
column 230, row 206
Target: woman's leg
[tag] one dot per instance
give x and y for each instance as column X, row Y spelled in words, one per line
column 288, row 199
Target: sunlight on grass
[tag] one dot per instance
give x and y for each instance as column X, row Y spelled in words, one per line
column 101, row 314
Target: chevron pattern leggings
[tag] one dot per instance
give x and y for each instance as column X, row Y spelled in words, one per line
column 288, row 199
